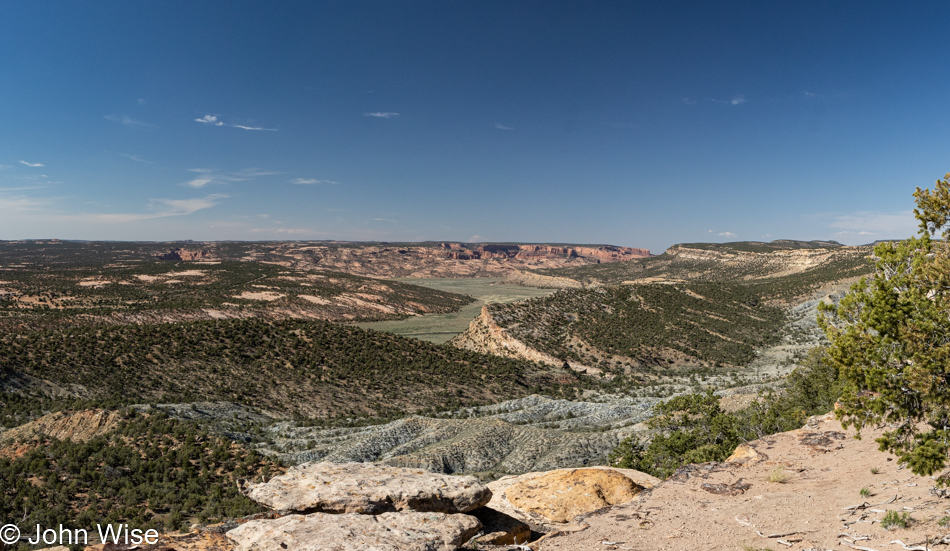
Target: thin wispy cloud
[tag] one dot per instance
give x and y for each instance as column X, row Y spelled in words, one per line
column 500, row 126
column 249, row 173
column 215, row 120
column 5, row 166
column 311, row 181
column 734, row 101
column 900, row 224
column 158, row 208
column 136, row 158
column 12, row 201
column 242, row 127
column 209, row 176
column 726, row 234
column 126, row 120
column 688, row 101
column 142, row 101
column 384, row 220
column 211, row 120
column 809, row 94
column 200, row 182
column 381, row 114
column 32, row 165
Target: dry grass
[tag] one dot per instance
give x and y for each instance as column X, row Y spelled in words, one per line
column 778, row 475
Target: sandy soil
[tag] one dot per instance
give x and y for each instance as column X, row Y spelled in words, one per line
column 97, row 283
column 262, row 295
column 187, row 273
column 737, row 506
column 353, row 299
column 313, row 299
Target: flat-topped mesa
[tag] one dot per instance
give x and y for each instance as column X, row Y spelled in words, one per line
column 604, row 253
column 185, row 254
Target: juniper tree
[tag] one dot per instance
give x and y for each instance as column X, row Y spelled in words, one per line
column 890, row 340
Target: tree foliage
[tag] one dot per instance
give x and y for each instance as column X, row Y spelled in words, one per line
column 694, row 428
column 890, row 340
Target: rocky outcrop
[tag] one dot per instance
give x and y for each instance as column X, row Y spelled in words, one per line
column 531, row 279
column 357, row 506
column 485, row 336
column 550, row 501
column 559, row 496
column 186, row 255
column 80, row 426
column 367, row 488
column 604, row 253
column 408, row 531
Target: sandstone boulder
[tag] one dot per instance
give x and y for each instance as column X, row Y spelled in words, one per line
column 367, row 488
column 406, row 531
column 549, row 501
column 746, row 454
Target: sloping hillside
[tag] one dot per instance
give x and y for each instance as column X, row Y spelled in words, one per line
column 287, row 367
column 696, row 305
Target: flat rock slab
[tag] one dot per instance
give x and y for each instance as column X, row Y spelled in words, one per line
column 407, row 531
column 367, row 488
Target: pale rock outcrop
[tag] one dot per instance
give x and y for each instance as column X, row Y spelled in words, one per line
column 80, row 426
column 367, row 488
column 486, row 336
column 405, row 531
column 550, row 501
column 746, row 454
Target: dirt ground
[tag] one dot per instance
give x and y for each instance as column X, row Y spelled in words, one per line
column 799, row 490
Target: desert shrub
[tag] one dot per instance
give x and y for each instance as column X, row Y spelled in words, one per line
column 893, row 519
column 693, row 428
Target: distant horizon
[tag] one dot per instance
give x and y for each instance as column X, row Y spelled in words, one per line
column 433, row 241
column 641, row 123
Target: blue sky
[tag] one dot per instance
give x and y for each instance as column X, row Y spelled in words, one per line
column 633, row 123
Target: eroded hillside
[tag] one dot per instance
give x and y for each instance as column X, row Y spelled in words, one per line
column 699, row 306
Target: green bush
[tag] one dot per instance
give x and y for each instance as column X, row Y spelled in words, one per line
column 693, row 428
